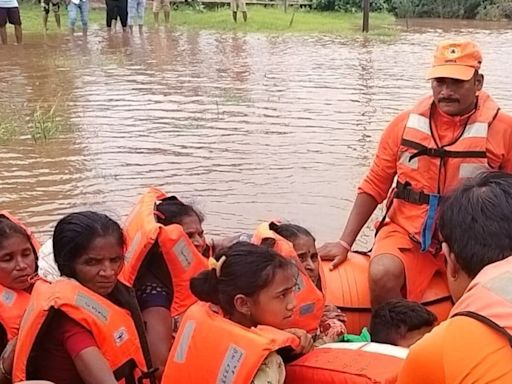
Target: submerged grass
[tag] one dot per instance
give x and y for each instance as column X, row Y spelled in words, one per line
column 41, row 123
column 261, row 19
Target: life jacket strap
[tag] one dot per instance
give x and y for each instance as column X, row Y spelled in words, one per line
column 405, row 192
column 485, row 320
column 441, row 152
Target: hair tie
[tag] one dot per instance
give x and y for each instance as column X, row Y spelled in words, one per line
column 216, row 264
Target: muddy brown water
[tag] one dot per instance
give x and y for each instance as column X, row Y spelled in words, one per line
column 246, row 126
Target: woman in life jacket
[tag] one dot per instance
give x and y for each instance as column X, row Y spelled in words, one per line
column 250, row 286
column 89, row 248
column 174, row 211
column 17, row 267
column 304, row 243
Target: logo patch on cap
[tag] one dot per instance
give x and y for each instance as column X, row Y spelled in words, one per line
column 453, row 52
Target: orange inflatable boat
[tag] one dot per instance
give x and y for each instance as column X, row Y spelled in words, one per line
column 347, row 288
column 348, row 363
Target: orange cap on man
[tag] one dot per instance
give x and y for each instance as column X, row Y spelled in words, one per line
column 456, row 59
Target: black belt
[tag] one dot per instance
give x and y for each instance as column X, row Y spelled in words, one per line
column 405, row 192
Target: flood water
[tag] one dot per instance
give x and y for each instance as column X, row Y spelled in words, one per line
column 246, row 126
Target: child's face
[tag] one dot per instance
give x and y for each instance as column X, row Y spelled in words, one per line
column 306, row 251
column 17, row 262
column 275, row 304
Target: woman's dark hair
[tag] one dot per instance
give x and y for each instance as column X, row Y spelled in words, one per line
column 476, row 221
column 395, row 318
column 9, row 228
column 171, row 210
column 247, row 269
column 290, row 232
column 74, row 234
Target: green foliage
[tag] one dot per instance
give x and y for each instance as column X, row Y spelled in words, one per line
column 43, row 124
column 352, row 6
column 459, row 9
column 8, row 130
column 496, row 10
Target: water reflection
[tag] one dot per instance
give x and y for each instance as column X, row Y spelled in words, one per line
column 247, row 126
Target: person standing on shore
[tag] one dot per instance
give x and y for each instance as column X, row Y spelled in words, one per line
column 10, row 12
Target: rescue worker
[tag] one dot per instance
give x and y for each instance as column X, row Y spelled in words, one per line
column 451, row 135
column 85, row 327
column 475, row 344
column 233, row 335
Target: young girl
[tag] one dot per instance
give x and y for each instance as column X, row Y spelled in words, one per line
column 250, row 291
column 93, row 329
column 304, row 243
column 17, row 266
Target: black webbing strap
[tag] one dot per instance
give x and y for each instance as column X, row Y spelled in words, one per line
column 126, row 372
column 441, row 153
column 488, row 322
column 405, row 192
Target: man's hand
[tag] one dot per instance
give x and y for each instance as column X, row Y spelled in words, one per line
column 333, row 251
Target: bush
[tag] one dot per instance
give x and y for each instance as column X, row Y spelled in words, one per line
column 350, row 5
column 497, row 10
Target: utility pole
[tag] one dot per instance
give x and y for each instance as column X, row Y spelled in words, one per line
column 366, row 16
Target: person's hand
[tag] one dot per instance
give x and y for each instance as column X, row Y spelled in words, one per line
column 331, row 312
column 333, row 251
column 305, row 339
column 7, row 359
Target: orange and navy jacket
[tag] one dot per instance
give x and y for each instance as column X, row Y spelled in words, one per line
column 430, row 153
column 112, row 327
column 310, row 300
column 212, row 349
column 14, row 302
column 182, row 259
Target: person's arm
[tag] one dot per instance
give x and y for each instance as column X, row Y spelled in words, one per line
column 7, row 362
column 271, row 371
column 372, row 191
column 93, row 368
column 159, row 326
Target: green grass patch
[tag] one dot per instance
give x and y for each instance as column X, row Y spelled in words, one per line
column 261, row 19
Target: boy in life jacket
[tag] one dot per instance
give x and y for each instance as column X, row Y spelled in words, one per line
column 447, row 137
column 17, row 266
column 84, row 327
column 304, row 243
column 401, row 322
column 475, row 344
column 235, row 334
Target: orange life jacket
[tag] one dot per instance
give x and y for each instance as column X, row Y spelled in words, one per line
column 348, row 363
column 212, row 349
column 488, row 299
column 310, row 300
column 426, row 170
column 112, row 327
column 14, row 302
column 180, row 256
column 12, row 307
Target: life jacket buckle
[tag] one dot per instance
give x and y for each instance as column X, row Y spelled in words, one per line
column 150, row 374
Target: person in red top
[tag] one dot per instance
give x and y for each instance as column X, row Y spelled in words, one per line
column 89, row 248
column 447, row 137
